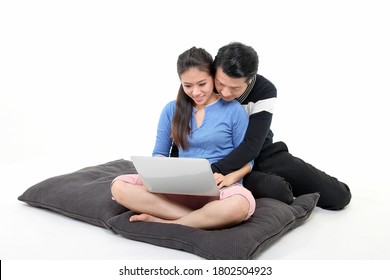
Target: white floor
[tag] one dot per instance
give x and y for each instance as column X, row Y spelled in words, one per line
column 359, row 232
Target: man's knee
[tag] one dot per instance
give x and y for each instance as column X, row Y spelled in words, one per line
column 338, row 199
column 269, row 185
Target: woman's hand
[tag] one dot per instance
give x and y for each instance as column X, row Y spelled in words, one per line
column 223, row 180
column 231, row 178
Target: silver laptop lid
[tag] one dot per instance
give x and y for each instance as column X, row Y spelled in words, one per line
column 190, row 176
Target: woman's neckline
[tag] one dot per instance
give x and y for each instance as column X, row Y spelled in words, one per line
column 209, row 104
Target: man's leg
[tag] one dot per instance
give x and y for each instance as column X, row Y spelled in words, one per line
column 304, row 178
column 268, row 185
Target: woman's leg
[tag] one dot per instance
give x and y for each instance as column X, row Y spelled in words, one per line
column 235, row 205
column 138, row 199
column 216, row 214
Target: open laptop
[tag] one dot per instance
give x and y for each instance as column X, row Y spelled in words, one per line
column 190, row 176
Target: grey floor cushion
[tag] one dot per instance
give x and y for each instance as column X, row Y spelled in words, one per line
column 85, row 194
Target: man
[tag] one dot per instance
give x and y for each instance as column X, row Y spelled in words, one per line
column 276, row 173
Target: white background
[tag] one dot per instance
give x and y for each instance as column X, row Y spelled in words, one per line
column 92, row 76
column 87, row 80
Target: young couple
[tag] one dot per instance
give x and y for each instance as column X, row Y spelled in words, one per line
column 213, row 125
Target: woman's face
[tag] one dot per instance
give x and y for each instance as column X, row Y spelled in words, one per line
column 198, row 85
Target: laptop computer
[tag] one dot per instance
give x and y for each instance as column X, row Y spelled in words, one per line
column 173, row 175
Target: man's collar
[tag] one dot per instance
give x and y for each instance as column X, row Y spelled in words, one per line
column 247, row 91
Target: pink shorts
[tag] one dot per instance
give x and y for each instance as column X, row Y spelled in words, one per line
column 196, row 202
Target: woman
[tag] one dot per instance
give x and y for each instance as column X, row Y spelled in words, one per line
column 202, row 125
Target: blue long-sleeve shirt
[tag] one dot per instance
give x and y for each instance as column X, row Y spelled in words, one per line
column 259, row 101
column 222, row 130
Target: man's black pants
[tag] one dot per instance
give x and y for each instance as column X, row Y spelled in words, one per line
column 278, row 174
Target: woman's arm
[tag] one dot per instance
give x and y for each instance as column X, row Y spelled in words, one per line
column 163, row 142
column 239, row 126
column 231, row 178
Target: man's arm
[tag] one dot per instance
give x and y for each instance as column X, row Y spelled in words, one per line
column 249, row 149
column 259, row 105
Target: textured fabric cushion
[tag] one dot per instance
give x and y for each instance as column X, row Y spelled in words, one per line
column 271, row 220
column 86, row 195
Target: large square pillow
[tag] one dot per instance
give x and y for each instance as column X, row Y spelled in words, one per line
column 85, row 194
column 271, row 220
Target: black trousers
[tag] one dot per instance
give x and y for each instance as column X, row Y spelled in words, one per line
column 278, row 174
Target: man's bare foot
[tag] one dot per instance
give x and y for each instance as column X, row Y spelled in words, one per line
column 148, row 218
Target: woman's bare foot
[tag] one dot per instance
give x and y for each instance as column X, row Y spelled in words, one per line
column 148, row 218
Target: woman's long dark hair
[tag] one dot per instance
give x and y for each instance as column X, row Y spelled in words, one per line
column 181, row 125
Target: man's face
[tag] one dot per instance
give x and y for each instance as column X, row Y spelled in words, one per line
column 229, row 88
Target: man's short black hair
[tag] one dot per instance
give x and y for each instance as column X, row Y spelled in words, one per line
column 237, row 60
